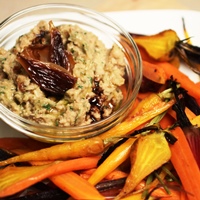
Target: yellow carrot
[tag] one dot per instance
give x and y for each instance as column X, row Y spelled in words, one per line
column 147, row 104
column 15, row 179
column 117, row 157
column 82, row 148
column 133, row 121
column 196, row 121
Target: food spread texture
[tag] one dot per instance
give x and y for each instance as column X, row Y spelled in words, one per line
column 61, row 76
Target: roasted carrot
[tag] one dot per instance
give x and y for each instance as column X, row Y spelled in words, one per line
column 24, row 144
column 185, row 165
column 88, row 171
column 37, row 163
column 75, row 186
column 183, row 79
column 14, row 179
column 143, row 95
column 82, row 148
column 136, row 196
column 167, row 121
column 159, row 194
column 116, row 174
column 85, row 176
column 147, row 104
column 117, row 157
column 154, row 72
column 188, row 113
column 198, row 84
column 134, row 121
column 175, row 194
column 196, row 121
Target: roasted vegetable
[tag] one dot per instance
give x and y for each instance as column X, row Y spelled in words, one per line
column 166, row 46
column 183, row 79
column 153, row 77
column 117, row 157
column 185, row 165
column 82, row 148
column 159, row 46
column 76, row 186
column 192, row 133
column 148, row 153
column 190, row 54
column 15, row 179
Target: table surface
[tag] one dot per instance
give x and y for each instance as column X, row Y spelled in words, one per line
column 9, row 7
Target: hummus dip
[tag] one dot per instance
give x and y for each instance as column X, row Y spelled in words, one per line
column 96, row 94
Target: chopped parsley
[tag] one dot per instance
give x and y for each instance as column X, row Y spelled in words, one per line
column 90, row 79
column 80, row 86
column 47, row 106
column 2, row 89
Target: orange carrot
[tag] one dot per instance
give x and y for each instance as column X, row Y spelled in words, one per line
column 116, row 174
column 87, row 173
column 183, row 79
column 136, row 196
column 14, row 179
column 183, row 161
column 188, row 113
column 175, row 194
column 24, row 144
column 198, row 84
column 185, row 165
column 76, row 187
column 167, row 121
column 142, row 95
column 159, row 193
column 154, row 72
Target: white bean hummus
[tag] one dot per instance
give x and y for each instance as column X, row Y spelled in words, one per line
column 98, row 74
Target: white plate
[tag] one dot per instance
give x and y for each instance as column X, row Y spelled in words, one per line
column 145, row 22
column 154, row 21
